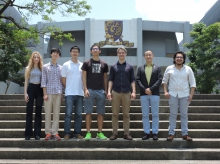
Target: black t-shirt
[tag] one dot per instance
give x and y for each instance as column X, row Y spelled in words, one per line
column 95, row 73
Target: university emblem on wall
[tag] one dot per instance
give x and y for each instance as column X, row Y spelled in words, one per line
column 113, row 35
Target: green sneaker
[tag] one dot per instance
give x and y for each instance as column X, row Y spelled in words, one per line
column 88, row 136
column 101, row 136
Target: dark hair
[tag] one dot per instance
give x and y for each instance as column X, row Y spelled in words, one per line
column 179, row 52
column 75, row 48
column 94, row 46
column 55, row 50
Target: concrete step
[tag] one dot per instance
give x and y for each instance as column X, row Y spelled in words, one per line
column 118, row 143
column 133, row 116
column 195, row 97
column 136, row 133
column 81, row 161
column 108, row 109
column 7, row 124
column 163, row 102
column 111, row 154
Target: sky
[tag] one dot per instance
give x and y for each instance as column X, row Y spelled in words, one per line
column 157, row 10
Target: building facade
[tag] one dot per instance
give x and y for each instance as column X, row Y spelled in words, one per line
column 136, row 35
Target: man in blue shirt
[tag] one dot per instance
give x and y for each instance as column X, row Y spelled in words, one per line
column 121, row 79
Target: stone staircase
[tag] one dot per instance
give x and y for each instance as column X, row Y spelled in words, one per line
column 204, row 127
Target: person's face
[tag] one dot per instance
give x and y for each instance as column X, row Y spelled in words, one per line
column 95, row 51
column 179, row 59
column 148, row 56
column 55, row 55
column 121, row 54
column 74, row 53
column 36, row 58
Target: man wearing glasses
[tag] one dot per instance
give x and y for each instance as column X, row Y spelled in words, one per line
column 180, row 92
column 95, row 87
column 72, row 81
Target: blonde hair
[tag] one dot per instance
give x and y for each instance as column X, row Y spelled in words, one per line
column 31, row 64
column 121, row 48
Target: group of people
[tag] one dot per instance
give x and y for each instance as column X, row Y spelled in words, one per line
column 89, row 81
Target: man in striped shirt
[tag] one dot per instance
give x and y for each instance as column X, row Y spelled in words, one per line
column 52, row 90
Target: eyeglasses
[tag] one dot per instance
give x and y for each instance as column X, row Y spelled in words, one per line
column 75, row 52
column 95, row 49
column 178, row 57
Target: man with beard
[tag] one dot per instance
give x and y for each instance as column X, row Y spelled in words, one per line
column 181, row 89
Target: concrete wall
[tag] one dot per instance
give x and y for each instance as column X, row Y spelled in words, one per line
column 160, row 43
column 13, row 88
column 65, row 48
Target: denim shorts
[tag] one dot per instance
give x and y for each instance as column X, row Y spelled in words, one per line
column 99, row 97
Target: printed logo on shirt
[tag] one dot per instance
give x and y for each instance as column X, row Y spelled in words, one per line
column 96, row 68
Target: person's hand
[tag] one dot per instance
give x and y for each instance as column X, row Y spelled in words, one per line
column 133, row 96
column 190, row 98
column 45, row 97
column 62, row 97
column 148, row 91
column 109, row 96
column 86, row 93
column 26, row 97
column 167, row 95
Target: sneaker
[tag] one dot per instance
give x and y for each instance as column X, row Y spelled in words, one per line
column 78, row 136
column 101, row 136
column 88, row 136
column 56, row 137
column 48, row 136
column 66, row 136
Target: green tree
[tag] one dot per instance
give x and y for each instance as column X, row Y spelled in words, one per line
column 44, row 9
column 204, row 56
column 13, row 51
column 16, row 34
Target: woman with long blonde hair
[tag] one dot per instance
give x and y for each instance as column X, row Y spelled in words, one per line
column 33, row 91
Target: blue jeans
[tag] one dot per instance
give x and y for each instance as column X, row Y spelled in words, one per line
column 146, row 102
column 182, row 103
column 77, row 102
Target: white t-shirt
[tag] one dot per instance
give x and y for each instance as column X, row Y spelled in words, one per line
column 73, row 73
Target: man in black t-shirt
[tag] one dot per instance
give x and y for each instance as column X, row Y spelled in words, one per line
column 95, row 87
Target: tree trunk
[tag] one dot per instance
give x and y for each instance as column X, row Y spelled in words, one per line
column 8, row 84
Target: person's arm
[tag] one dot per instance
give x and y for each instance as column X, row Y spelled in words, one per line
column 109, row 95
column 63, row 80
column 164, row 82
column 26, row 97
column 192, row 90
column 86, row 92
column 132, row 80
column 158, row 82
column 45, row 93
column 138, row 80
column 133, row 94
column 44, row 82
column 105, row 82
column 192, row 83
column 166, row 94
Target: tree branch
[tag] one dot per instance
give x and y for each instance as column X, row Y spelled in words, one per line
column 14, row 22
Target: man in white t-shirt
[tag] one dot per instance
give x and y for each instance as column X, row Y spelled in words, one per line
column 72, row 80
